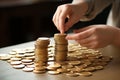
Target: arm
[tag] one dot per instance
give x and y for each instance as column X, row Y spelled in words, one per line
column 94, row 8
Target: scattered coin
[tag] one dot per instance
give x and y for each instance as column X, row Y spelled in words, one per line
column 31, row 66
column 15, row 59
column 85, row 74
column 74, row 63
column 27, row 69
column 26, row 60
column 72, row 74
column 53, row 72
column 18, row 66
column 15, row 62
column 61, row 70
column 99, row 67
column 7, row 57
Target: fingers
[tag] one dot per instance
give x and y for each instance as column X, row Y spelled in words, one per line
column 59, row 17
column 63, row 12
column 81, row 29
column 56, row 18
column 80, row 36
column 62, row 17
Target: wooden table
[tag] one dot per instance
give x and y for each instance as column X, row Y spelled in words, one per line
column 111, row 71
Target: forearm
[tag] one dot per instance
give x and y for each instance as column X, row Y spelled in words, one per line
column 82, row 5
column 94, row 7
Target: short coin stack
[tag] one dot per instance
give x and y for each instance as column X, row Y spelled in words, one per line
column 41, row 53
column 61, row 47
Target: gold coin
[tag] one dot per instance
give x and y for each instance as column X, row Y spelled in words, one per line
column 99, row 67
column 18, row 66
column 42, row 42
column 40, row 63
column 40, row 68
column 26, row 60
column 31, row 66
column 67, row 66
column 39, row 72
column 89, row 69
column 85, row 74
column 29, row 54
column 8, row 61
column 61, row 70
column 27, row 63
column 30, row 58
column 19, row 55
column 15, row 62
column 55, row 65
column 53, row 72
column 74, row 63
column 72, row 74
column 26, row 69
column 12, row 53
column 7, row 57
column 15, row 59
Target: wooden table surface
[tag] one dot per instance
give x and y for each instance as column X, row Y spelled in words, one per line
column 111, row 71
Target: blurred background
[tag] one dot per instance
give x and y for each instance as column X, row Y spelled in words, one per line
column 26, row 20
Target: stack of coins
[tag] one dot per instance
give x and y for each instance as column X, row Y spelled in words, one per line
column 61, row 47
column 41, row 52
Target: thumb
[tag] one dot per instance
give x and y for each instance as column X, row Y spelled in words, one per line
column 72, row 37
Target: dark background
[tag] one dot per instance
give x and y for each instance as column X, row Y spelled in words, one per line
column 25, row 23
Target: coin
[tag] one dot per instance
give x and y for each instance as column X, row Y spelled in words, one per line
column 53, row 72
column 29, row 54
column 26, row 60
column 30, row 66
column 40, row 68
column 30, row 58
column 39, row 72
column 15, row 59
column 27, row 63
column 72, row 74
column 7, row 57
column 55, row 65
column 19, row 55
column 89, row 69
column 85, row 74
column 15, row 62
column 12, row 53
column 26, row 69
column 67, row 66
column 74, row 63
column 18, row 66
column 99, row 67
column 61, row 70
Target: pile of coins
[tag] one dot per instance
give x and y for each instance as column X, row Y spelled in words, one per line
column 61, row 47
column 80, row 61
column 20, row 58
column 41, row 54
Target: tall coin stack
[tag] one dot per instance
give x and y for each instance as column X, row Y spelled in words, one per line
column 41, row 51
column 61, row 47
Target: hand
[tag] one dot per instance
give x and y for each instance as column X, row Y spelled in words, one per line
column 95, row 36
column 71, row 11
